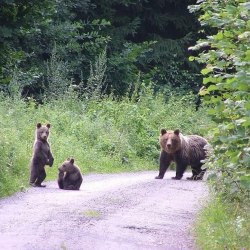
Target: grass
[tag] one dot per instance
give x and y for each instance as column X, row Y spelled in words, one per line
column 106, row 135
column 221, row 226
column 91, row 213
column 102, row 135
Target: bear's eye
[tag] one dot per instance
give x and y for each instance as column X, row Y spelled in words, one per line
column 174, row 140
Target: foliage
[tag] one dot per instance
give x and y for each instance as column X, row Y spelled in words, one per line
column 97, row 78
column 227, row 93
column 150, row 39
column 166, row 26
column 57, row 83
column 221, row 225
column 29, row 40
column 103, row 135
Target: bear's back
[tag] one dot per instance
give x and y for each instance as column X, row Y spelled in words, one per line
column 196, row 150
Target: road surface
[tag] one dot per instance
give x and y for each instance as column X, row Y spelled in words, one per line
column 126, row 211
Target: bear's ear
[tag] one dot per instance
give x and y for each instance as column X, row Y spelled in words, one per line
column 48, row 125
column 38, row 125
column 163, row 131
column 72, row 161
column 177, row 132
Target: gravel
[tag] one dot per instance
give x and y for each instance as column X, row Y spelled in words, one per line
column 110, row 211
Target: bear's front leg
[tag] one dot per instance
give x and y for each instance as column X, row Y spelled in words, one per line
column 50, row 159
column 60, row 179
column 180, row 169
column 165, row 160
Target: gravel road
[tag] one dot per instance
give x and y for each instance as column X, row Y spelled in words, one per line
column 127, row 211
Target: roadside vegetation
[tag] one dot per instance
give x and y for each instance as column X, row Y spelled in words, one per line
column 102, row 134
column 225, row 52
column 107, row 84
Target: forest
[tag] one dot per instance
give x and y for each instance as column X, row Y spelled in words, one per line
column 108, row 75
column 146, row 40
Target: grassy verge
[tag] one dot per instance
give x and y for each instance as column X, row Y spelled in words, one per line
column 223, row 226
column 104, row 135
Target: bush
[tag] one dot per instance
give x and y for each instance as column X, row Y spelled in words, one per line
column 226, row 76
column 103, row 135
column 223, row 226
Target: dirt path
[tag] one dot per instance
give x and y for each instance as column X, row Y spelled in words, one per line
column 118, row 211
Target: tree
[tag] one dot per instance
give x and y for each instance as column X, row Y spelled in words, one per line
column 156, row 34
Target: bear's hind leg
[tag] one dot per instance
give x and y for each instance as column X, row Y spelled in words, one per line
column 78, row 184
column 197, row 172
column 41, row 178
column 201, row 174
column 194, row 174
column 33, row 175
column 180, row 169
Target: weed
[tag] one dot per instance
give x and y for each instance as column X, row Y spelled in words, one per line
column 223, row 226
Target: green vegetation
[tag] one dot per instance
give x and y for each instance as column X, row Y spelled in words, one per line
column 103, row 135
column 150, row 37
column 227, row 93
column 109, row 74
column 222, row 226
column 225, row 223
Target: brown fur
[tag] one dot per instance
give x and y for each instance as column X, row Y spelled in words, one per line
column 69, row 176
column 41, row 156
column 184, row 151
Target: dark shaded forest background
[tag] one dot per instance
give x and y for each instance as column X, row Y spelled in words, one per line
column 145, row 40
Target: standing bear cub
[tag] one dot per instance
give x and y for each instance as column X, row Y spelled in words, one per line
column 69, row 176
column 184, row 151
column 41, row 156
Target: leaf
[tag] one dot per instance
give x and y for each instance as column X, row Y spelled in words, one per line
column 239, row 122
column 6, row 32
column 212, row 88
column 244, row 35
column 245, row 181
column 219, row 36
column 246, row 5
column 206, row 71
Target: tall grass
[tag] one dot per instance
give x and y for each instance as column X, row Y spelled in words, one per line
column 221, row 226
column 103, row 135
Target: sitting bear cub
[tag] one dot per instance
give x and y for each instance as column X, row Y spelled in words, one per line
column 41, row 156
column 184, row 151
column 69, row 176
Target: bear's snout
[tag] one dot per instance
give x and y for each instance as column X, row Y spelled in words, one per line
column 169, row 143
column 44, row 137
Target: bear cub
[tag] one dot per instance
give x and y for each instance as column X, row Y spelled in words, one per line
column 69, row 176
column 41, row 156
column 185, row 151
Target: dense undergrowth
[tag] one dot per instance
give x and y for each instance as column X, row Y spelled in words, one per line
column 222, row 225
column 103, row 135
column 224, row 52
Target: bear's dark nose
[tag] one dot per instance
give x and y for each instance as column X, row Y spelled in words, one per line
column 169, row 145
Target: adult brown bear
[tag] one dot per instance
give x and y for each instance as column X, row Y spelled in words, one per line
column 41, row 156
column 184, row 151
column 69, row 176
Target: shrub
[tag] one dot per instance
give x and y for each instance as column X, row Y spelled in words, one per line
column 226, row 76
column 222, row 226
column 103, row 135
